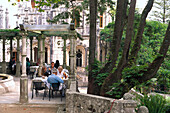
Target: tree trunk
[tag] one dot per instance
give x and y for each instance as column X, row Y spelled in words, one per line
column 92, row 44
column 118, row 32
column 114, row 77
column 150, row 71
column 136, row 47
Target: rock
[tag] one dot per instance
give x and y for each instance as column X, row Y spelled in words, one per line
column 143, row 109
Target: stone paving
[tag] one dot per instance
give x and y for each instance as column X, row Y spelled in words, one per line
column 13, row 97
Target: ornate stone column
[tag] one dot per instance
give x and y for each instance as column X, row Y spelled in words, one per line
column 43, row 49
column 18, row 62
column 31, row 60
column 64, row 52
column 23, row 79
column 51, row 49
column 3, row 62
column 11, row 47
column 85, row 56
column 40, row 54
column 72, row 57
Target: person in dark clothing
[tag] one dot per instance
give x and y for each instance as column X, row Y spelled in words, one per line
column 27, row 65
column 51, row 68
column 57, row 64
column 12, row 64
column 44, row 72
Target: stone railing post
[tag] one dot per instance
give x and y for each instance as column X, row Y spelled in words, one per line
column 24, row 79
column 31, row 60
column 18, row 62
column 3, row 62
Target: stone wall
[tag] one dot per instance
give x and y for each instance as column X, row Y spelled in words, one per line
column 86, row 103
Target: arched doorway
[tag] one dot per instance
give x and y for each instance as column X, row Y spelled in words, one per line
column 79, row 58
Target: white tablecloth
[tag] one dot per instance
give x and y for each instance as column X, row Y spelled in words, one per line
column 45, row 80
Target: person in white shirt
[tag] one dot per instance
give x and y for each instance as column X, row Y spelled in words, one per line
column 61, row 73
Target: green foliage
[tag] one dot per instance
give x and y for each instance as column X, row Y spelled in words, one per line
column 133, row 72
column 9, row 30
column 75, row 10
column 106, row 34
column 73, row 13
column 154, row 103
column 163, row 78
column 152, row 38
column 129, row 77
column 96, row 66
column 99, row 78
column 116, row 89
column 41, row 3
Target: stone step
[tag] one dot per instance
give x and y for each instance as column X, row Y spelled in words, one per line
column 32, row 108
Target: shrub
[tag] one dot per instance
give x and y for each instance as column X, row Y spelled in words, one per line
column 154, row 103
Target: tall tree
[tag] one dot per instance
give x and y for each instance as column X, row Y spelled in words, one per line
column 92, row 43
column 162, row 12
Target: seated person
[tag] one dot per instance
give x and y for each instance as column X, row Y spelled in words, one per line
column 54, row 79
column 61, row 73
column 51, row 68
column 57, row 64
column 44, row 71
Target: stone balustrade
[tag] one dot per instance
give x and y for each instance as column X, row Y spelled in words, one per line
column 86, row 103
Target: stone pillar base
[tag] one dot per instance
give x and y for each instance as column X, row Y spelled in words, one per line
column 24, row 89
column 3, row 67
column 72, row 77
column 39, row 70
column 18, row 73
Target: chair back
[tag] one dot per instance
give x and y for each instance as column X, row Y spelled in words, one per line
column 55, row 86
column 38, row 85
